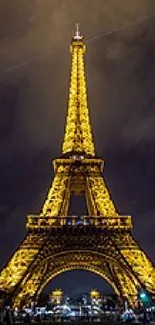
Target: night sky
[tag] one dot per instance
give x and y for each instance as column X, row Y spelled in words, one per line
column 34, row 79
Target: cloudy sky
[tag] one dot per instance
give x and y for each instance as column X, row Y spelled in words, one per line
column 34, row 78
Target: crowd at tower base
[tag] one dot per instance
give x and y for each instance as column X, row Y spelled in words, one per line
column 86, row 307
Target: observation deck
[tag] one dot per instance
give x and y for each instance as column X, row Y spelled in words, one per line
column 109, row 223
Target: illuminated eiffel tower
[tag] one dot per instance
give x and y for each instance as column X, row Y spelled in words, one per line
column 101, row 242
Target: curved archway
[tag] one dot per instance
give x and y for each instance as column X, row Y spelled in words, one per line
column 90, row 260
column 108, row 266
column 93, row 270
column 74, row 282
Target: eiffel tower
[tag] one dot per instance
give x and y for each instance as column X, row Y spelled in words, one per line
column 102, row 241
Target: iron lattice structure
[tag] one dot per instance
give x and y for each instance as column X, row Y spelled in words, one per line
column 101, row 242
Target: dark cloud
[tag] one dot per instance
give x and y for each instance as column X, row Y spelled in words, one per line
column 15, row 19
column 34, row 79
column 8, row 105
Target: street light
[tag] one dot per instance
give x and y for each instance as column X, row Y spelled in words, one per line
column 144, row 297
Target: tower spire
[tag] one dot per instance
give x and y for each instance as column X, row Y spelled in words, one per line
column 77, row 35
column 78, row 135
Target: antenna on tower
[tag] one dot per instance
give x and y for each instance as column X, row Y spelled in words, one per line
column 77, row 35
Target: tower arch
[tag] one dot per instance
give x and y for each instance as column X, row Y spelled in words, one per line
column 110, row 268
column 82, row 264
